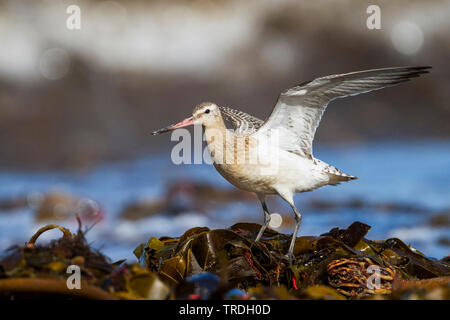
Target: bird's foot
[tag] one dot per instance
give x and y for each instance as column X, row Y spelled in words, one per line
column 288, row 258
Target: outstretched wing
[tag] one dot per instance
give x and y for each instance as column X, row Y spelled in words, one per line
column 242, row 122
column 298, row 111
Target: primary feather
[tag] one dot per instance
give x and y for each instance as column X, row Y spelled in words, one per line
column 299, row 110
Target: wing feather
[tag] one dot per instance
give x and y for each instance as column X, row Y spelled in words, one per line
column 241, row 121
column 299, row 110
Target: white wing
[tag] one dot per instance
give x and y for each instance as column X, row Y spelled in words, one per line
column 298, row 111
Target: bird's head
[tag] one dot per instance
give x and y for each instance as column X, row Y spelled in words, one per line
column 206, row 114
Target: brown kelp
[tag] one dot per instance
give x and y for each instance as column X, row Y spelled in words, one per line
column 228, row 264
column 341, row 263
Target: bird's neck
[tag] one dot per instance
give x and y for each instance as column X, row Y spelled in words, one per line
column 218, row 137
column 215, row 133
column 227, row 147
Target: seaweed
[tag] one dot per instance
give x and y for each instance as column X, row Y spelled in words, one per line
column 340, row 264
column 228, row 264
column 36, row 271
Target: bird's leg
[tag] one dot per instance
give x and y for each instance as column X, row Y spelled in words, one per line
column 262, row 198
column 288, row 196
column 298, row 220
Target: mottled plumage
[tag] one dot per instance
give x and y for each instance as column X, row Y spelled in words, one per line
column 285, row 165
column 242, row 122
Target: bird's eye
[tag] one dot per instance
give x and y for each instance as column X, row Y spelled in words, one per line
column 207, row 111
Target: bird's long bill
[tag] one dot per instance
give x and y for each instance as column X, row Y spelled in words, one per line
column 186, row 122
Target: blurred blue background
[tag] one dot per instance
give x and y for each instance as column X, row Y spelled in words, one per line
column 77, row 108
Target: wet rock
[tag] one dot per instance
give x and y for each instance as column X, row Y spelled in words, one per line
column 9, row 204
column 57, row 206
column 444, row 241
column 143, row 209
column 185, row 196
column 441, row 219
column 363, row 204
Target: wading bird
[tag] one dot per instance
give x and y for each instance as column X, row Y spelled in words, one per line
column 294, row 121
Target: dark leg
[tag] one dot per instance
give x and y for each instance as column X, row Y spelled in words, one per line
column 288, row 196
column 262, row 198
column 298, row 220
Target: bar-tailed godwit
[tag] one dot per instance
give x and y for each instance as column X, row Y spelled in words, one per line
column 294, row 121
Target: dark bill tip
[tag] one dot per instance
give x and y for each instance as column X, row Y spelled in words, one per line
column 186, row 122
column 163, row 130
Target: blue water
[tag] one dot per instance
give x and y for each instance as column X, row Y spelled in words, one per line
column 409, row 173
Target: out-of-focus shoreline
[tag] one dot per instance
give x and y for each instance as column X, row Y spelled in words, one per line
column 76, row 98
